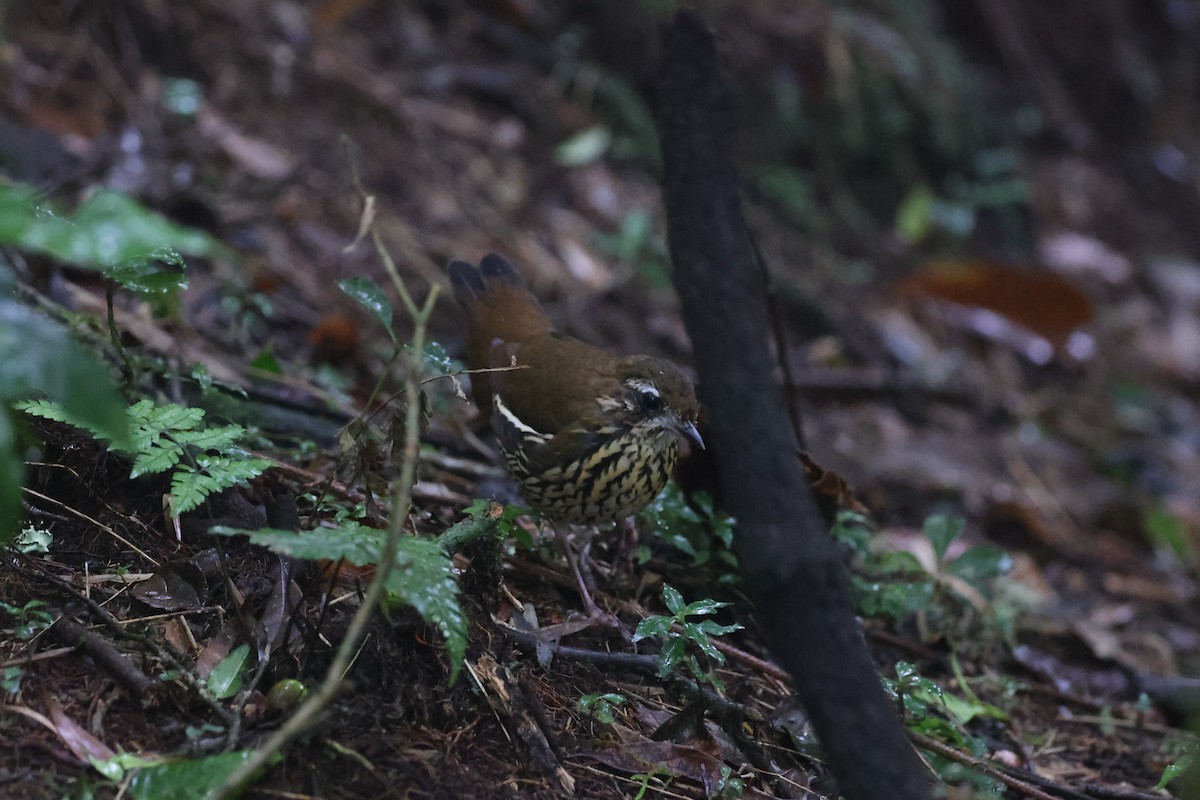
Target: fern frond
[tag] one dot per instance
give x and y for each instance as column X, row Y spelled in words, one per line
column 423, row 577
column 191, row 486
column 48, row 409
column 155, row 458
column 163, row 436
column 219, row 439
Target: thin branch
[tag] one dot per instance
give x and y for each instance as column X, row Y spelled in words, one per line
column 306, row 715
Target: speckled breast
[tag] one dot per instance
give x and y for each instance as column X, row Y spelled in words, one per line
column 614, row 481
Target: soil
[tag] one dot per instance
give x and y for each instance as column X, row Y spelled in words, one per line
column 1035, row 376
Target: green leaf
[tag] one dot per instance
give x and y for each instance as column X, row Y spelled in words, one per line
column 1175, row 770
column 11, row 478
column 161, row 272
column 108, row 230
column 163, row 436
column 653, row 627
column 422, row 577
column 371, row 297
column 190, row 487
column 705, row 606
column 673, row 599
column 158, row 457
column 1166, row 530
column 941, row 530
column 583, row 148
column 225, row 680
column 980, row 563
column 437, row 360
column 356, row 543
column 963, row 710
column 897, row 561
column 115, row 768
column 914, row 214
column 37, row 356
column 267, row 362
column 182, row 96
column 692, row 632
column 670, row 656
column 600, row 706
column 221, row 438
column 854, row 531
column 193, row 779
column 713, row 629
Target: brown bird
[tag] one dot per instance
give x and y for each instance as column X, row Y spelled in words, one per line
column 588, row 436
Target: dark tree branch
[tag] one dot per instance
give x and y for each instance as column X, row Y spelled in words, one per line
column 791, row 567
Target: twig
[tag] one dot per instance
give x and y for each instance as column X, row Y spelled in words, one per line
column 123, row 671
column 988, row 769
column 307, row 713
column 761, row 664
column 161, row 651
column 95, row 522
column 601, row 658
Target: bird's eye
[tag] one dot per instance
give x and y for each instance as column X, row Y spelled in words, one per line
column 649, row 400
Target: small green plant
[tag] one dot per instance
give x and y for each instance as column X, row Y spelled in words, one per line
column 696, row 529
column 679, row 646
column 929, row 709
column 172, row 438
column 30, row 619
column 10, row 679
column 729, row 786
column 601, row 707
column 33, row 541
column 657, row 776
column 947, row 592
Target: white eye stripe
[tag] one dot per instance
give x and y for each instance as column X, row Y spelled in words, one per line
column 639, row 385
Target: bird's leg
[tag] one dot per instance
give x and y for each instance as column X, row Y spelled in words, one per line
column 593, row 611
column 628, row 540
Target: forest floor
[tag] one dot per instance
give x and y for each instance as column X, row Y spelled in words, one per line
column 1051, row 642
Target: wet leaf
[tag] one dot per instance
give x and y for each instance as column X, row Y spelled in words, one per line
column 193, row 779
column 673, row 599
column 109, row 229
column 371, row 297
column 160, row 273
column 226, row 678
column 286, row 695
column 652, row 627
column 175, row 587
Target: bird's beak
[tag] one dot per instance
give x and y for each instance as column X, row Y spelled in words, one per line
column 688, row 429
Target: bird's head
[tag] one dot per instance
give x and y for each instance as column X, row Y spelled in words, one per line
column 655, row 397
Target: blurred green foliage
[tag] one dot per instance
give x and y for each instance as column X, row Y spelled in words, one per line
column 111, row 234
